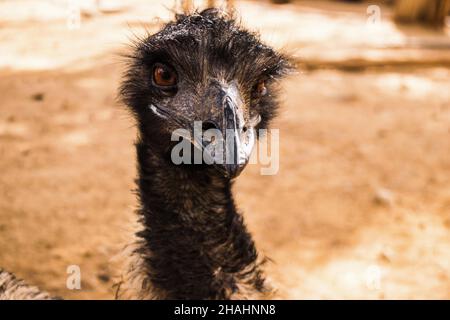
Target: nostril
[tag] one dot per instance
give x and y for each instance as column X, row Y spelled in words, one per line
column 206, row 125
column 244, row 129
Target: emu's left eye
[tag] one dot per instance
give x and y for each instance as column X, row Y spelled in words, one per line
column 260, row 89
column 164, row 76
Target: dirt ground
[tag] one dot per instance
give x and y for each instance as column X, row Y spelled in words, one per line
column 359, row 209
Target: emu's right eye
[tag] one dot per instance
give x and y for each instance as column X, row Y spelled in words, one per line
column 164, row 76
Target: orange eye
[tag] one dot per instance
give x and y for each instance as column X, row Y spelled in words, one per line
column 164, row 76
column 261, row 89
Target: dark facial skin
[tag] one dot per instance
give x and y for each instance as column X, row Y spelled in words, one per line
column 202, row 67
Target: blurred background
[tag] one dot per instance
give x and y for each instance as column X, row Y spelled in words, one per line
column 361, row 205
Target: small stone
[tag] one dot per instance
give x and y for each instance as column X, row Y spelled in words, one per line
column 39, row 96
column 103, row 277
column 382, row 257
column 384, row 197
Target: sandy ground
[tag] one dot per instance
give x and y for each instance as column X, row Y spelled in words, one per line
column 359, row 209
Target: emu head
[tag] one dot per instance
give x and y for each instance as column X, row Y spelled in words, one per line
column 203, row 71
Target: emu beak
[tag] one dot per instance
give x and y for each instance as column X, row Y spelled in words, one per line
column 238, row 137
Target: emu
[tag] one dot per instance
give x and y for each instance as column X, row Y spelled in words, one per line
column 193, row 243
column 12, row 288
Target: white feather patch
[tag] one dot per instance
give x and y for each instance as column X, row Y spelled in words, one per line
column 156, row 111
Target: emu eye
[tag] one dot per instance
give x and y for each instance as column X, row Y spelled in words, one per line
column 164, row 76
column 260, row 89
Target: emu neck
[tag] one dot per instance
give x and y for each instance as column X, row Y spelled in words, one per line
column 194, row 242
